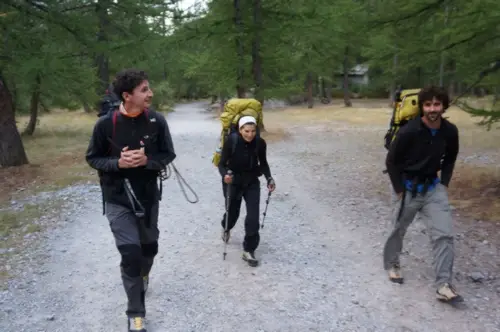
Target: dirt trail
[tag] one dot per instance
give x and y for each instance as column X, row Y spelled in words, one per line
column 321, row 254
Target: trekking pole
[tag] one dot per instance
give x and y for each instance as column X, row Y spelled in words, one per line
column 265, row 210
column 228, row 201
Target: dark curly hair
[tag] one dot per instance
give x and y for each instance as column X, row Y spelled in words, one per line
column 127, row 80
column 430, row 92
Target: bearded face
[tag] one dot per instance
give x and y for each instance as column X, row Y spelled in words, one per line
column 432, row 109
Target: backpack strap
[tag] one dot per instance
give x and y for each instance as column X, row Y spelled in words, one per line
column 114, row 120
column 257, row 146
column 234, row 142
column 160, row 187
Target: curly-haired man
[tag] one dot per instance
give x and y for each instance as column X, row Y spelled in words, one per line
column 129, row 147
column 423, row 147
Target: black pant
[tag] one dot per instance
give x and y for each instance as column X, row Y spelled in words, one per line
column 251, row 193
column 138, row 246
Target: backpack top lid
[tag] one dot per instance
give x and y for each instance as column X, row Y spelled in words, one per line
column 236, row 108
column 407, row 109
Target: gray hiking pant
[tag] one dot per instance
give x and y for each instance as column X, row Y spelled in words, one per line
column 138, row 245
column 434, row 210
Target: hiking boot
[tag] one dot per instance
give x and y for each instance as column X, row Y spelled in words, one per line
column 145, row 282
column 249, row 257
column 447, row 293
column 395, row 274
column 136, row 324
column 225, row 236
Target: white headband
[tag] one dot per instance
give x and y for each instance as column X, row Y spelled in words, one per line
column 246, row 119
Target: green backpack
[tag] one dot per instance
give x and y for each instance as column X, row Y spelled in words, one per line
column 234, row 109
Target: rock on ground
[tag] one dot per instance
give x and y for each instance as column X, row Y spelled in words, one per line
column 321, row 251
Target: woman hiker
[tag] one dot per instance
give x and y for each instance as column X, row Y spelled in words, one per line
column 243, row 160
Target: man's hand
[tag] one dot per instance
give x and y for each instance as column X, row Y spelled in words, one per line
column 132, row 158
column 139, row 158
column 400, row 195
column 125, row 160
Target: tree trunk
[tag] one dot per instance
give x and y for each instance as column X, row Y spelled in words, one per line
column 256, row 57
column 86, row 107
column 347, row 97
column 451, row 83
column 222, row 102
column 316, row 86
column 13, row 94
column 481, row 92
column 324, row 97
column 393, row 87
column 328, row 90
column 101, row 59
column 240, row 90
column 44, row 107
column 309, row 83
column 322, row 87
column 35, row 100
column 442, row 64
column 11, row 146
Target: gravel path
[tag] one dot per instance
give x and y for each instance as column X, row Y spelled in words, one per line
column 321, row 265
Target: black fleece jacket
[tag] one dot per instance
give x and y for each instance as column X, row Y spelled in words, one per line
column 416, row 152
column 102, row 155
column 248, row 161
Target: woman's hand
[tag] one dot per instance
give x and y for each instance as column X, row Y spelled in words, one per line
column 271, row 185
column 228, row 179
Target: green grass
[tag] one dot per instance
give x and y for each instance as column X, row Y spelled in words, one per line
column 14, row 221
column 14, row 226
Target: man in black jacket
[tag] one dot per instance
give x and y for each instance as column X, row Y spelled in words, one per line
column 423, row 147
column 130, row 147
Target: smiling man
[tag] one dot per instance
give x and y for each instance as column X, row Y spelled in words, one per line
column 423, row 147
column 129, row 147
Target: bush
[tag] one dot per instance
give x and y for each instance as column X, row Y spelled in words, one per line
column 374, row 92
column 163, row 99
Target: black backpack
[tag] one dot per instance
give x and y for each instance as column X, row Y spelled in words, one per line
column 110, row 102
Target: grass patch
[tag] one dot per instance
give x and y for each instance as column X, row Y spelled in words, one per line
column 13, row 221
column 275, row 134
column 366, row 112
column 475, row 191
column 56, row 153
column 15, row 225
